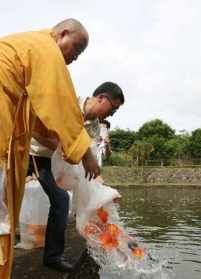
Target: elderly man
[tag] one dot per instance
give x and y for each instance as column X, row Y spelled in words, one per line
column 105, row 101
column 35, row 84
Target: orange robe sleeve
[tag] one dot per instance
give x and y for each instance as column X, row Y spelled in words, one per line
column 52, row 95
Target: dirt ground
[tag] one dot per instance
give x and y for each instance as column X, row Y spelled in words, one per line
column 28, row 263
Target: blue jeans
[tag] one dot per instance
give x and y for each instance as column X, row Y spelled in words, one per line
column 58, row 213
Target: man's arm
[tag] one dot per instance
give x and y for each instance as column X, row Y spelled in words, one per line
column 48, row 142
column 44, row 136
column 49, row 86
column 53, row 98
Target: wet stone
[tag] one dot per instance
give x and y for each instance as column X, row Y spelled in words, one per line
column 29, row 263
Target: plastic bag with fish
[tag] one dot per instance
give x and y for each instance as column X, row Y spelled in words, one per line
column 97, row 218
column 33, row 216
column 87, row 195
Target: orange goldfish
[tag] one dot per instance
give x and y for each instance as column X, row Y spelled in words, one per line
column 138, row 252
column 108, row 241
column 113, row 230
column 102, row 214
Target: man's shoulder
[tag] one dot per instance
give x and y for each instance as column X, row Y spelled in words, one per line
column 35, row 45
column 25, row 34
column 29, row 39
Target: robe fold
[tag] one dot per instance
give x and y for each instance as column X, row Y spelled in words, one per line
column 34, row 82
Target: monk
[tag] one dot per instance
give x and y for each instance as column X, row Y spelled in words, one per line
column 36, row 85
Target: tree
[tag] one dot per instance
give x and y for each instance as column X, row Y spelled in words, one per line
column 195, row 144
column 121, row 140
column 156, row 128
column 140, row 151
column 156, row 133
column 178, row 147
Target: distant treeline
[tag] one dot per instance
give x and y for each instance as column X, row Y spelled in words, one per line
column 165, row 143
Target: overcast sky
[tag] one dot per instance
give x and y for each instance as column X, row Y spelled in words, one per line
column 151, row 48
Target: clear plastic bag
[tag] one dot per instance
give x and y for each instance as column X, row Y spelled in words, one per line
column 97, row 218
column 87, row 195
column 33, row 216
column 64, row 173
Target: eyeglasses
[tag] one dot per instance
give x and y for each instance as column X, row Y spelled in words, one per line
column 114, row 108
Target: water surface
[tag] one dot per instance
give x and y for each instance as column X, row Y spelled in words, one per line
column 167, row 220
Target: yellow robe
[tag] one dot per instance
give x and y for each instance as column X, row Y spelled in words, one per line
column 34, row 82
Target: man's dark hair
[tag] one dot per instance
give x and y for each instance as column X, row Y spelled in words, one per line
column 111, row 89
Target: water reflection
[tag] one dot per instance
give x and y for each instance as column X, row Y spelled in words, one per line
column 168, row 221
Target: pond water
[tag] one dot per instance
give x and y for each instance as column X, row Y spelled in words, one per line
column 167, row 222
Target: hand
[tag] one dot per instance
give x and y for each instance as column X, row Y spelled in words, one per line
column 90, row 165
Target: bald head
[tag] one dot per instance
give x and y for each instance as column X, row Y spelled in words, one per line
column 71, row 37
column 73, row 26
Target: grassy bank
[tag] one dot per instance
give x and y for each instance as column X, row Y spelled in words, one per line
column 126, row 176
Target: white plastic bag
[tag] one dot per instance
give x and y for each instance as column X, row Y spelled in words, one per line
column 97, row 218
column 88, row 196
column 33, row 216
column 64, row 173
